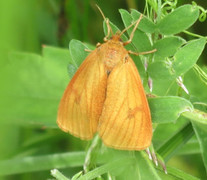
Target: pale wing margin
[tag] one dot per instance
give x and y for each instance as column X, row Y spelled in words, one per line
column 125, row 122
column 83, row 99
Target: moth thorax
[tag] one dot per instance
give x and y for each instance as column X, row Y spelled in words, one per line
column 112, row 57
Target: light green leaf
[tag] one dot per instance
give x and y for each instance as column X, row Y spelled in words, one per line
column 58, row 175
column 140, row 39
column 178, row 20
column 174, row 143
column 192, row 147
column 36, row 85
column 177, row 174
column 127, row 19
column 196, row 116
column 56, row 60
column 77, row 52
column 146, row 168
column 146, row 25
column 141, row 167
column 168, row 109
column 122, row 162
column 115, row 29
column 183, row 60
column 187, row 56
column 40, row 163
column 159, row 70
column 201, row 131
column 167, row 47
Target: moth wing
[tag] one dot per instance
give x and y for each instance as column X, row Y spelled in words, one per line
column 125, row 122
column 82, row 101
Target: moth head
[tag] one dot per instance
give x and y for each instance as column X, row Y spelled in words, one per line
column 116, row 37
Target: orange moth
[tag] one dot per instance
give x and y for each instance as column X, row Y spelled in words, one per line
column 106, row 96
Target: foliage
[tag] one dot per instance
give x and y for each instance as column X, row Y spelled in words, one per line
column 33, row 84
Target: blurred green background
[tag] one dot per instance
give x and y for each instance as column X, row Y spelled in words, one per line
column 28, row 26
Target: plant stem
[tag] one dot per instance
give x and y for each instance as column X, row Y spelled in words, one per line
column 193, row 34
column 88, row 157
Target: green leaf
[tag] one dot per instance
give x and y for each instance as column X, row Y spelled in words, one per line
column 146, row 25
column 187, row 56
column 178, row 20
column 178, row 140
column 127, row 19
column 176, row 174
column 40, row 163
column 115, row 29
column 183, row 60
column 71, row 70
column 77, row 52
column 197, row 90
column 140, row 167
column 163, row 132
column 36, row 85
column 192, row 147
column 168, row 109
column 159, row 70
column 196, row 116
column 122, row 162
column 140, row 39
column 200, row 73
column 167, row 47
column 146, row 168
column 58, row 175
column 56, row 60
column 201, row 131
column 77, row 175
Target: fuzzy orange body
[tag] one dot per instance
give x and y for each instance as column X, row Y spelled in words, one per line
column 106, row 96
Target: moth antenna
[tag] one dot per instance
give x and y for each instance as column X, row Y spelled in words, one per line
column 127, row 28
column 134, row 29
column 107, row 23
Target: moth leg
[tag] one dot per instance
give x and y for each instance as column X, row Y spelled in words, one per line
column 88, row 50
column 109, row 30
column 157, row 160
column 142, row 53
column 98, row 44
column 134, row 29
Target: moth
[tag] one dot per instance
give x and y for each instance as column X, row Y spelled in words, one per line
column 106, row 96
